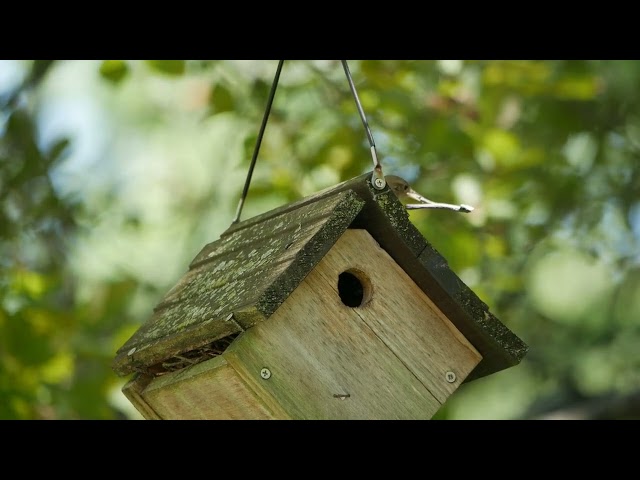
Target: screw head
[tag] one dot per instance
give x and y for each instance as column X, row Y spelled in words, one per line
column 265, row 373
column 379, row 183
column 132, row 351
column 450, row 377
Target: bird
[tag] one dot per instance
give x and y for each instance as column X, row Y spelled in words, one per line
column 403, row 191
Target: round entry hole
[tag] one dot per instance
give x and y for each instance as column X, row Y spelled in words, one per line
column 354, row 288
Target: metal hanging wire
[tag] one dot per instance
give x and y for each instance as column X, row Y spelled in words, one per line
column 256, row 149
column 377, row 179
column 378, row 182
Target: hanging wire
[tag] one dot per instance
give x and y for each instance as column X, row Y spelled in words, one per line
column 379, row 181
column 256, row 149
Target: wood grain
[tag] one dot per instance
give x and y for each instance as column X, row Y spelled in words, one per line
column 133, row 391
column 401, row 314
column 211, row 390
column 326, row 363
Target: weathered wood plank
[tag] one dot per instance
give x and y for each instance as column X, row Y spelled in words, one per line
column 133, row 391
column 210, row 290
column 358, row 184
column 401, row 315
column 140, row 358
column 211, row 390
column 276, row 229
column 325, row 362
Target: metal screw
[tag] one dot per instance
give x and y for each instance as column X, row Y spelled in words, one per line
column 132, row 351
column 379, row 183
column 450, row 376
column 265, row 373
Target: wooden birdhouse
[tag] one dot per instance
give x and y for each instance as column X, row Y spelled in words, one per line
column 332, row 307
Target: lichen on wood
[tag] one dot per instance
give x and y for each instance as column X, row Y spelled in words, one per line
column 248, row 272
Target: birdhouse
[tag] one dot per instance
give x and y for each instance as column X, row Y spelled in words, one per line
column 332, row 307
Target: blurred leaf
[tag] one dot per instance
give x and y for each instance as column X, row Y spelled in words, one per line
column 25, row 344
column 57, row 149
column 58, row 369
column 627, row 301
column 527, row 77
column 114, row 70
column 221, row 99
column 39, row 69
column 567, row 286
column 503, row 146
column 29, row 282
column 168, row 67
column 578, row 88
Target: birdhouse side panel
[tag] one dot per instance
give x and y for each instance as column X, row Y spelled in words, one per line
column 210, row 390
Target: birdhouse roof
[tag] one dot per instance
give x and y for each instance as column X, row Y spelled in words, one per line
column 243, row 277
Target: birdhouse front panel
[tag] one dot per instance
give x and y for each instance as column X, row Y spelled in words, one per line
column 391, row 354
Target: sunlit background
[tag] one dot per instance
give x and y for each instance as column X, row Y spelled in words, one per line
column 114, row 174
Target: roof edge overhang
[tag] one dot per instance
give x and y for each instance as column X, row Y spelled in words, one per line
column 387, row 220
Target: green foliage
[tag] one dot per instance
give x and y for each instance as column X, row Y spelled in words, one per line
column 168, row 67
column 221, row 99
column 545, row 150
column 114, row 70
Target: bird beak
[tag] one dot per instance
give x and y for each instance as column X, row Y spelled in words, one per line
column 416, row 196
